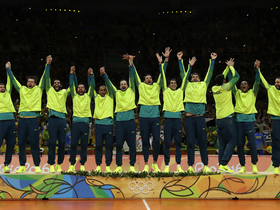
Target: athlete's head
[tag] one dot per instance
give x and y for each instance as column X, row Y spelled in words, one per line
column 257, row 130
column 244, row 87
column 195, row 77
column 102, row 90
column 173, row 84
column 220, row 79
column 277, row 83
column 123, row 85
column 57, row 85
column 31, row 81
column 81, row 89
column 2, row 87
column 148, row 79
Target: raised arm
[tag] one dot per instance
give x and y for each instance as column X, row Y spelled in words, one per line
column 111, row 88
column 42, row 82
column 9, row 85
column 131, row 80
column 228, row 86
column 257, row 78
column 264, row 82
column 91, row 87
column 228, row 73
column 132, row 68
column 181, row 65
column 163, row 78
column 210, row 69
column 160, row 78
column 71, row 82
column 16, row 84
column 166, row 54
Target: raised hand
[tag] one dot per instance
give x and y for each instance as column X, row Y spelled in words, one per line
column 90, row 71
column 49, row 59
column 8, row 65
column 213, row 55
column 72, row 70
column 192, row 61
column 159, row 58
column 257, row 64
column 102, row 70
column 128, row 57
column 180, row 55
column 230, row 62
column 167, row 52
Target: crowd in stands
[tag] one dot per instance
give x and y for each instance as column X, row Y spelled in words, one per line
column 84, row 40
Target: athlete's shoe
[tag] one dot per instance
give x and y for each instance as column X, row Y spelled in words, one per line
column 206, row 169
column 179, row 169
column 118, row 169
column 166, row 170
column 146, row 168
column 6, row 169
column 132, row 169
column 225, row 168
column 21, row 169
column 82, row 168
column 98, row 169
column 255, row 169
column 242, row 170
column 71, row 168
column 155, row 167
column 37, row 169
column 190, row 169
column 276, row 170
column 108, row 169
column 52, row 170
column 58, row 168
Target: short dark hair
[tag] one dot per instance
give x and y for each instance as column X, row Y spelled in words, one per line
column 195, row 73
column 257, row 129
column 147, row 75
column 173, row 79
column 1, row 83
column 123, row 80
column 33, row 77
column 219, row 79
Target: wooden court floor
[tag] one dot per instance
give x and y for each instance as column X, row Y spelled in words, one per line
column 153, row 204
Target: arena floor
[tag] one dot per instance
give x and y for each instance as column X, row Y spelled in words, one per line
column 148, row 204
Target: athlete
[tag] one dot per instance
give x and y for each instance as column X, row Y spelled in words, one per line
column 172, row 107
column 222, row 93
column 29, row 109
column 103, row 115
column 56, row 103
column 149, row 113
column 195, row 99
column 7, row 120
column 81, row 117
column 273, row 92
column 245, row 110
column 125, row 121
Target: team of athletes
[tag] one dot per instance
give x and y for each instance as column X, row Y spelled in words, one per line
column 230, row 132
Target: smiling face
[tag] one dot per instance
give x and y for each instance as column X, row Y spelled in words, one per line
column 31, row 83
column 277, row 83
column 2, row 88
column 148, row 80
column 244, row 87
column 173, row 84
column 123, row 85
column 57, row 85
column 195, row 77
column 102, row 91
column 81, row 89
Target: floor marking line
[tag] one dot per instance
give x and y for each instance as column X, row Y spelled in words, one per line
column 145, row 203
